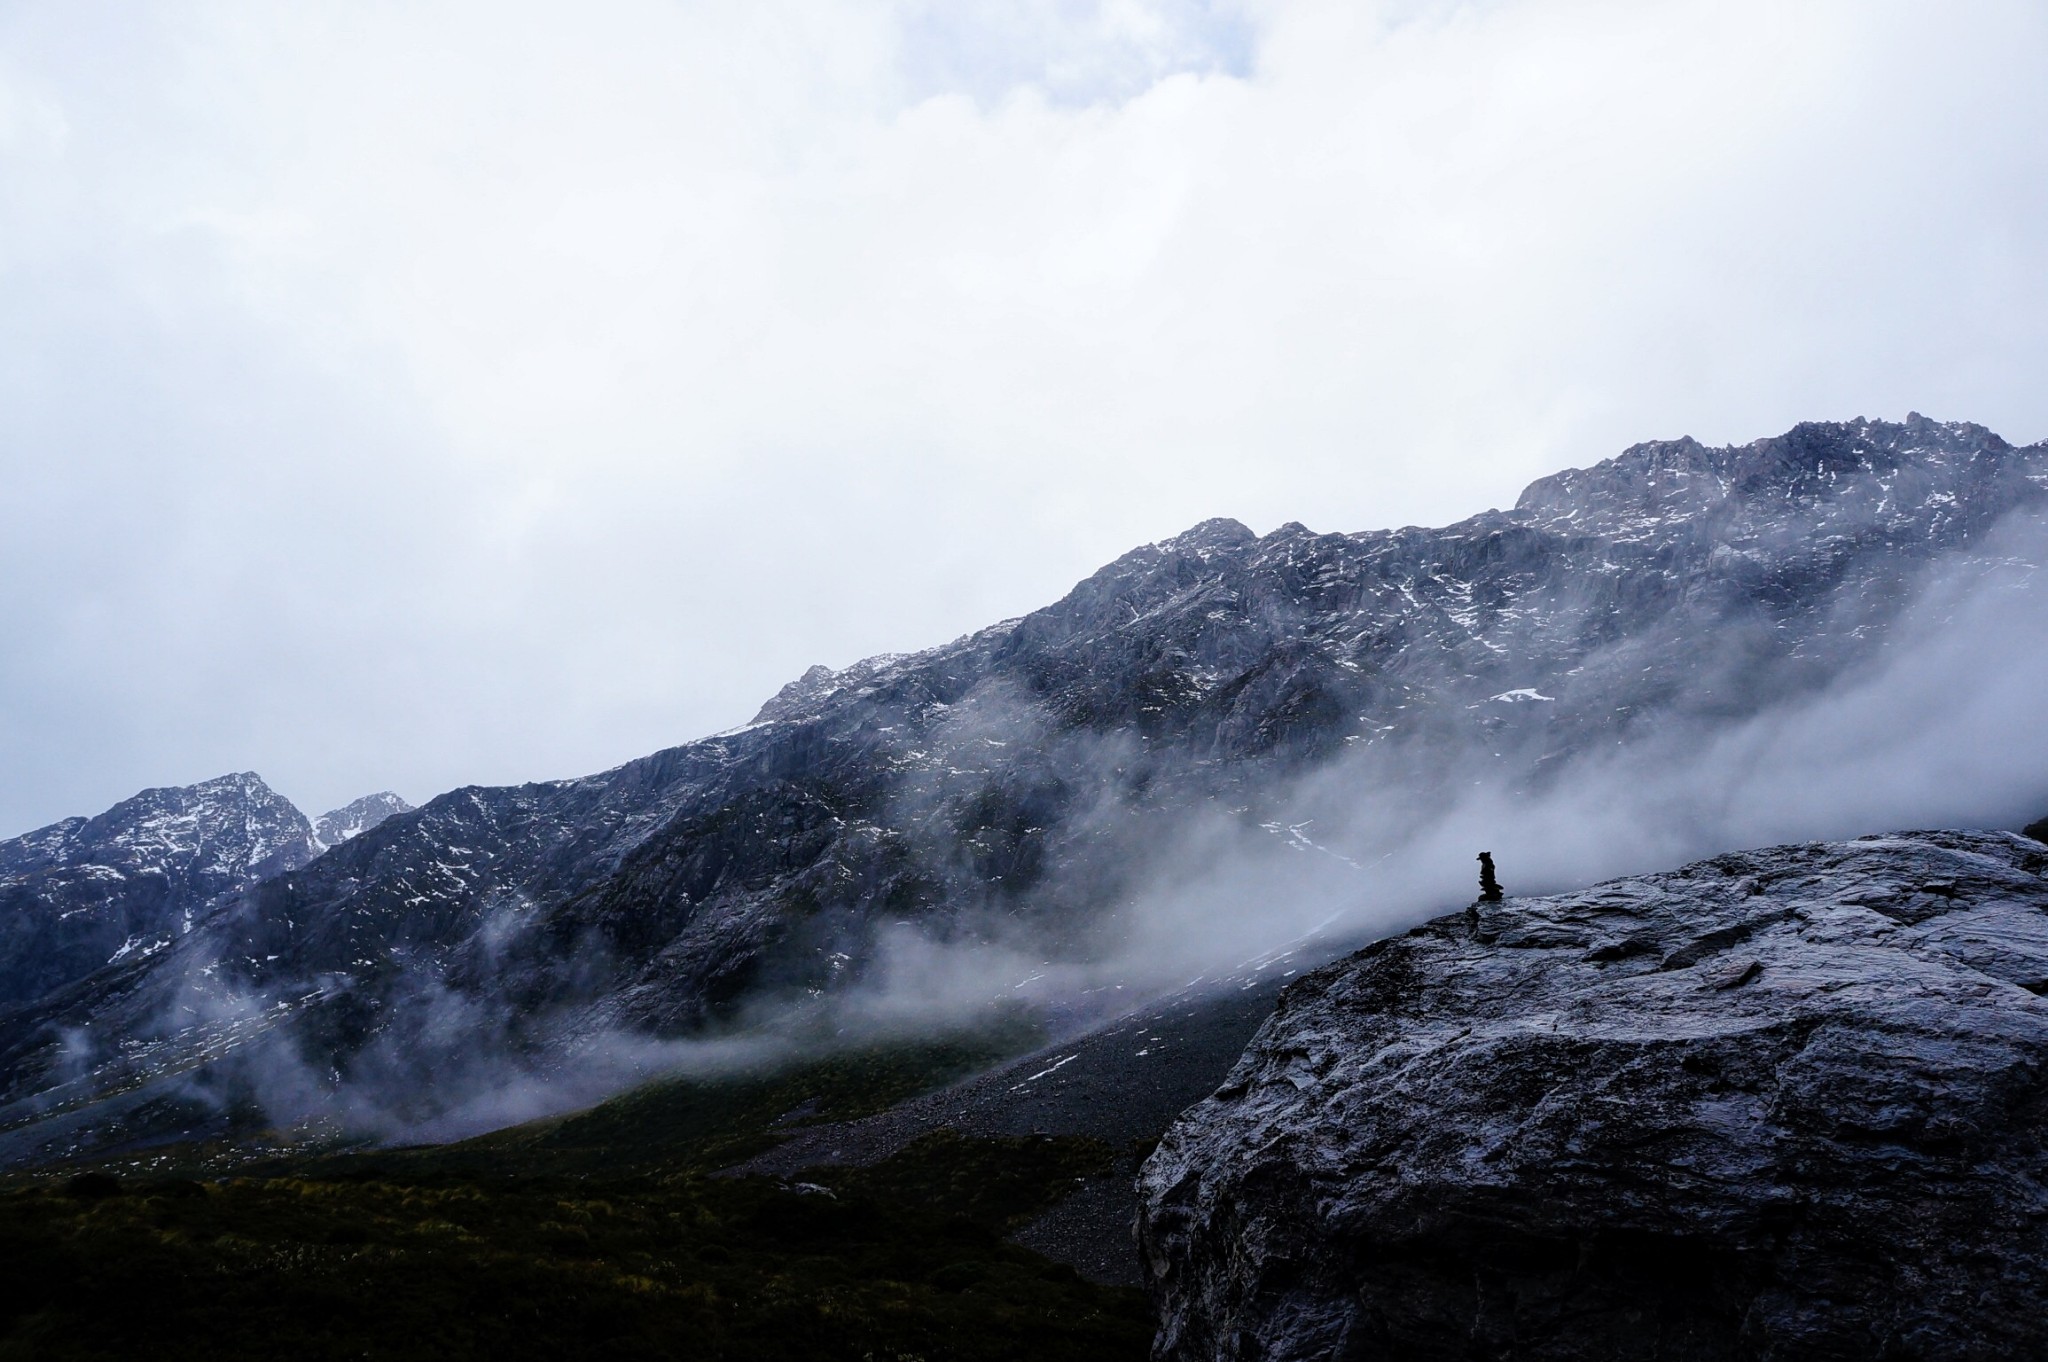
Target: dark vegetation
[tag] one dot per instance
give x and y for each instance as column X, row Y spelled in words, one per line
column 604, row 1235
column 704, row 1124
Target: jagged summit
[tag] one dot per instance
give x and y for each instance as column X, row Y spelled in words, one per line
column 233, row 824
column 1878, row 472
column 86, row 893
column 791, row 699
column 1217, row 533
column 353, row 819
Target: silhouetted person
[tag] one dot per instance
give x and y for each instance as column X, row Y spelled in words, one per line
column 1489, row 887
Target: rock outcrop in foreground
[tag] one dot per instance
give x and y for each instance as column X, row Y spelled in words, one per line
column 1787, row 1103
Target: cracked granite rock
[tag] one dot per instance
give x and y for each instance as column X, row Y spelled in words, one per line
column 1787, row 1103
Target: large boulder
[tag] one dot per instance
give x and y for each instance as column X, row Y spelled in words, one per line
column 1781, row 1104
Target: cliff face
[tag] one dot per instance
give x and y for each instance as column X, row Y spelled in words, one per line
column 1789, row 1103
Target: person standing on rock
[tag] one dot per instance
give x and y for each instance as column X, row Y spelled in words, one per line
column 1489, row 892
column 1489, row 887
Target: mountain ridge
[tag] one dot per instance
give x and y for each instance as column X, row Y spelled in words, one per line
column 1023, row 778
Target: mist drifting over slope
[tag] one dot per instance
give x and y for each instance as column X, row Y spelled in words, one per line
column 1939, row 725
column 1942, row 726
column 1217, row 748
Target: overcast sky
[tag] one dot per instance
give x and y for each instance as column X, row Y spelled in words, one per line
column 409, row 395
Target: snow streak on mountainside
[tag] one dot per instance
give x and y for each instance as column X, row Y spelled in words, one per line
column 1026, row 783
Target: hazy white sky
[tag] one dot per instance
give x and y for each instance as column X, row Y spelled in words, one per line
column 414, row 395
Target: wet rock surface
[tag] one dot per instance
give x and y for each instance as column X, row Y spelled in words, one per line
column 1788, row 1103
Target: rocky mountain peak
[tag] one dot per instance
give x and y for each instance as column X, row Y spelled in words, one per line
column 1871, row 471
column 353, row 819
column 233, row 824
column 117, row 888
column 1220, row 534
column 816, row 682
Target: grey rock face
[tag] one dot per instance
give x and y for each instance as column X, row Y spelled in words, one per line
column 1789, row 1103
column 90, row 892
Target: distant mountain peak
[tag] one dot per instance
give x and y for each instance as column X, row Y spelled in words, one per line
column 816, row 682
column 235, row 820
column 88, row 892
column 85, row 893
column 1219, row 532
column 356, row 818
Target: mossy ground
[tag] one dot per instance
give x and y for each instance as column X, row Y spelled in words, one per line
column 601, row 1236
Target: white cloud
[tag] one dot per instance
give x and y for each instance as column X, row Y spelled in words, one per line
column 412, row 395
